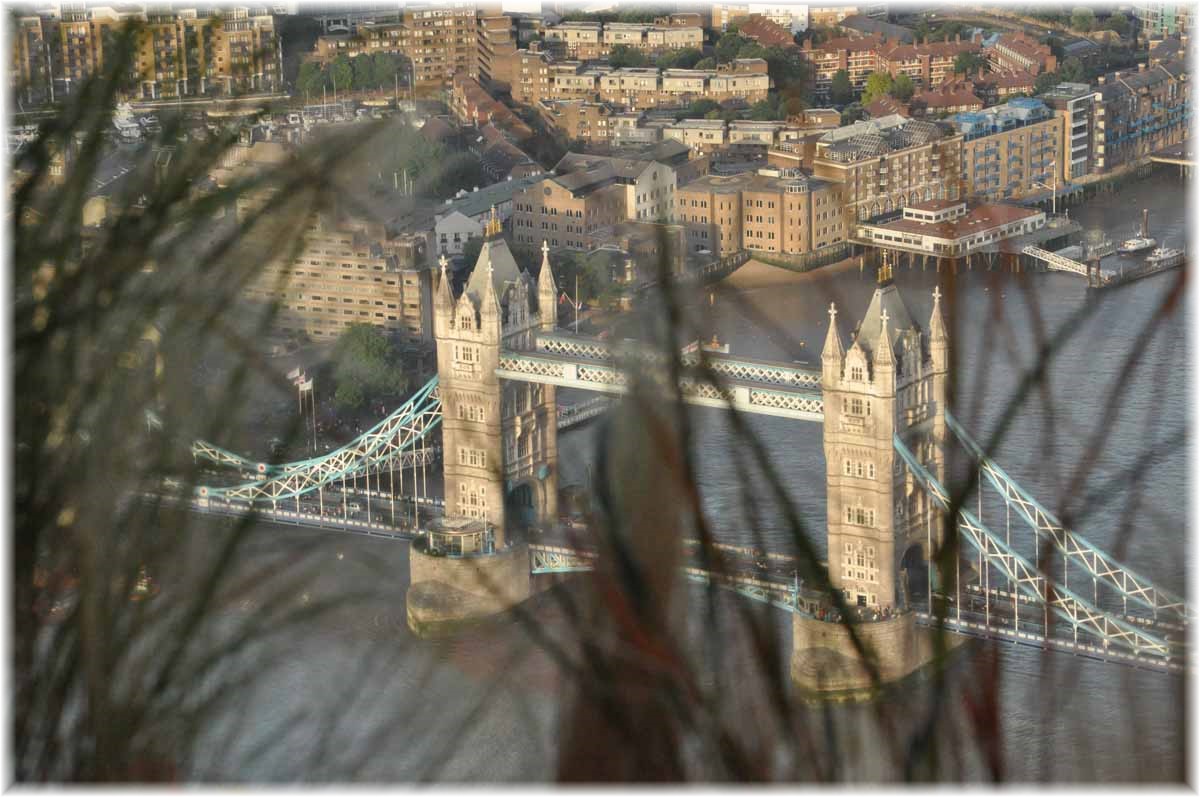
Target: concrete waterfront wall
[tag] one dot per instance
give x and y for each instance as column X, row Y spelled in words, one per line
column 447, row 593
column 825, row 661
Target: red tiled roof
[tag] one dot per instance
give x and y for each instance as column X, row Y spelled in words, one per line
column 978, row 219
column 885, row 106
column 766, row 32
column 947, row 99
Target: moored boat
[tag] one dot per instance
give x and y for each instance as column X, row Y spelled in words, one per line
column 1140, row 242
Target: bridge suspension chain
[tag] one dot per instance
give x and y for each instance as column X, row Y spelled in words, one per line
column 1078, row 612
column 389, row 441
column 1045, row 524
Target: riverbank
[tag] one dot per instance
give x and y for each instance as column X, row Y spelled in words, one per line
column 757, row 274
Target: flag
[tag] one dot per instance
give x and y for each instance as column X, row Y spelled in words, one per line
column 293, row 374
column 306, row 387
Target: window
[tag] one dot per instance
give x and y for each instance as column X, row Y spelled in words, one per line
column 856, row 373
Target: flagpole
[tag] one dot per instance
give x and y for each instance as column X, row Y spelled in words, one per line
column 576, row 303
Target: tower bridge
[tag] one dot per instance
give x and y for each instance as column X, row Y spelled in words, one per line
column 881, row 401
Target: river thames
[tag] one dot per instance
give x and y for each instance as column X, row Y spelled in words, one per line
column 461, row 709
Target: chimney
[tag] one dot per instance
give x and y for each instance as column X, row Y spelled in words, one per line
column 1100, row 80
column 958, row 38
column 1141, row 67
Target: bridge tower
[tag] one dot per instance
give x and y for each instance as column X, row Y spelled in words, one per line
column 891, row 381
column 499, row 443
column 499, row 439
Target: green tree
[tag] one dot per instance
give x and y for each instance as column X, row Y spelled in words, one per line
column 969, row 63
column 622, row 55
column 948, row 30
column 752, row 50
column 311, row 78
column 341, row 73
column 1083, row 19
column 878, row 84
column 1045, row 81
column 728, row 47
column 699, row 109
column 363, row 72
column 471, row 249
column 1056, row 47
column 903, row 88
column 706, row 63
column 367, row 368
column 1119, row 24
column 840, row 89
column 687, row 58
column 853, row 113
column 384, row 67
column 765, row 111
column 1072, row 71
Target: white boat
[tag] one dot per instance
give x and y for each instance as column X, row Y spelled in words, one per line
column 1140, row 242
column 1165, row 257
column 126, row 123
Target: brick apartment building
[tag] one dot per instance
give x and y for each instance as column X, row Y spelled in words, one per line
column 771, row 210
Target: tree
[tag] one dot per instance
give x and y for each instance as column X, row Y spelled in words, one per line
column 311, row 78
column 1083, row 19
column 764, row 111
column 622, row 55
column 878, row 84
column 471, row 250
column 341, row 73
column 752, row 50
column 384, row 67
column 699, row 108
column 852, row 113
column 1056, row 47
column 1072, row 71
column 1045, row 81
column 903, row 88
column 728, row 47
column 840, row 90
column 687, row 58
column 367, row 368
column 968, row 63
column 364, row 72
column 1119, row 24
column 706, row 63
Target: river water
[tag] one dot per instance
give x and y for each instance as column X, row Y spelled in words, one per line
column 460, row 709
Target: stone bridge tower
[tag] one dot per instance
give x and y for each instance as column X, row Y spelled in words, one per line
column 499, row 439
column 891, row 381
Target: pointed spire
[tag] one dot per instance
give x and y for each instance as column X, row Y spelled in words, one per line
column 884, row 356
column 834, row 350
column 547, row 291
column 937, row 328
column 489, row 302
column 445, row 298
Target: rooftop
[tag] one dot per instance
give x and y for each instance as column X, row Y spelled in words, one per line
column 474, row 203
column 977, row 219
column 875, row 137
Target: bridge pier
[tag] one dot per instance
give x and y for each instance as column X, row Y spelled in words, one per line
column 449, row 591
column 826, row 662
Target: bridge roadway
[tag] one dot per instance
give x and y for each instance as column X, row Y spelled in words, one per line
column 748, row 385
column 767, row 578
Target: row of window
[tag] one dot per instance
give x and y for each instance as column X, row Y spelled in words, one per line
column 474, row 457
column 858, row 469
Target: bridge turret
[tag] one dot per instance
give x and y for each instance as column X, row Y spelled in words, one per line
column 834, row 353
column 937, row 335
column 443, row 301
column 884, row 365
column 547, row 292
column 489, row 307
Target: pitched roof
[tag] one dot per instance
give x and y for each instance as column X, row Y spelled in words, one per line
column 899, row 319
column 503, row 268
column 766, row 32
